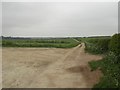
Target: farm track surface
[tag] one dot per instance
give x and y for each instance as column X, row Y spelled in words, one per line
column 48, row 68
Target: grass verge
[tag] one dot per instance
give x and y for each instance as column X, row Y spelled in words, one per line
column 110, row 69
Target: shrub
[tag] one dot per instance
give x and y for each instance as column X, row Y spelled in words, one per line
column 115, row 44
column 110, row 64
column 97, row 46
column 111, row 78
column 103, row 45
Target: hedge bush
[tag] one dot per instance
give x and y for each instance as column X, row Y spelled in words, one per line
column 110, row 64
column 115, row 44
column 97, row 46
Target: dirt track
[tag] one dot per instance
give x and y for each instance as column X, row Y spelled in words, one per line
column 48, row 67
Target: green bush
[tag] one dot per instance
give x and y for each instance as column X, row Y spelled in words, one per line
column 103, row 45
column 111, row 78
column 115, row 44
column 110, row 64
column 97, row 46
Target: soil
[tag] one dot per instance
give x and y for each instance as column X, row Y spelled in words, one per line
column 48, row 68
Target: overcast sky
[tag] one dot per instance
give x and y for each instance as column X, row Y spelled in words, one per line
column 50, row 19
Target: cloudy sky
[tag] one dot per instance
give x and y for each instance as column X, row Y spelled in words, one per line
column 59, row 19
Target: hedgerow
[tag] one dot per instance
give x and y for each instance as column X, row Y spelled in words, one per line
column 97, row 46
column 110, row 64
column 114, row 45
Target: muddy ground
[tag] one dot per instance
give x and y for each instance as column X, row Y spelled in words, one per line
column 48, row 67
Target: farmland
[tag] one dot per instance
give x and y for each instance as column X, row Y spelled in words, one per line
column 53, row 42
column 53, row 64
column 48, row 67
column 61, row 62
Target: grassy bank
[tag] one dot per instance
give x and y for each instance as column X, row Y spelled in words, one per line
column 57, row 43
column 110, row 64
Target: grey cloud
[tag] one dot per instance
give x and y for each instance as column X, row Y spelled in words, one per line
column 59, row 19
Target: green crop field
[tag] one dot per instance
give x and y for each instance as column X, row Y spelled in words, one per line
column 52, row 42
